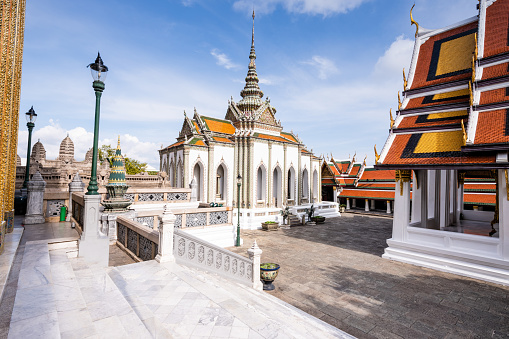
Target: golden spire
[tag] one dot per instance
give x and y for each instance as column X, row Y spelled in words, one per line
column 464, row 133
column 118, row 143
column 364, row 162
column 392, row 119
column 471, row 94
column 413, row 22
column 377, row 156
column 399, row 102
column 353, row 159
column 473, row 69
column 404, row 79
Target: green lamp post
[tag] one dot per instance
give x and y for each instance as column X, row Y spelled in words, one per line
column 31, row 116
column 99, row 71
column 239, row 183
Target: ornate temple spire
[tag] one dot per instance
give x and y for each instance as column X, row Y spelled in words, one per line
column 251, row 94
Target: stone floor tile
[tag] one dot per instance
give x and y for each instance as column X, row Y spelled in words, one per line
column 239, row 332
column 41, row 326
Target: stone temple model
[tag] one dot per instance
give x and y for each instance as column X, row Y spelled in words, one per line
column 117, row 185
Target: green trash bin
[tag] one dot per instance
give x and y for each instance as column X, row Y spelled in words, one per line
column 63, row 213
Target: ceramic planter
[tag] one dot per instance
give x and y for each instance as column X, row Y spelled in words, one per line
column 318, row 220
column 268, row 272
column 270, row 226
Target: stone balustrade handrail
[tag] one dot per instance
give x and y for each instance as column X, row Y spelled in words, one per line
column 192, row 251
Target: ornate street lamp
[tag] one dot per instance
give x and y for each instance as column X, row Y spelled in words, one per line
column 31, row 117
column 239, row 183
column 99, row 71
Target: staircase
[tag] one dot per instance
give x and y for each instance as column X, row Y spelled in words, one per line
column 294, row 220
column 60, row 295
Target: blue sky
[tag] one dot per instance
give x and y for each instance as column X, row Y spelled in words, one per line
column 332, row 68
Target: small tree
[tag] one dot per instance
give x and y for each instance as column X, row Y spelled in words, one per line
column 132, row 166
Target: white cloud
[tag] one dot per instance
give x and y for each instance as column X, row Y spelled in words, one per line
column 395, row 57
column 324, row 66
column 322, row 7
column 223, row 60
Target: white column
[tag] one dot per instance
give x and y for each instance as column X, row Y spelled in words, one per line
column 93, row 245
column 459, row 203
column 431, row 194
column 255, row 254
column 166, row 228
column 347, row 203
column 389, row 207
column 366, row 205
column 334, row 194
column 401, row 210
column 417, row 190
column 373, row 204
column 354, row 203
column 443, row 198
column 503, row 213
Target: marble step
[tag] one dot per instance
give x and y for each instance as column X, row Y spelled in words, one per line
column 61, row 296
column 264, row 314
column 191, row 303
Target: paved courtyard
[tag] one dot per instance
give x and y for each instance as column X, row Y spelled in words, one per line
column 335, row 272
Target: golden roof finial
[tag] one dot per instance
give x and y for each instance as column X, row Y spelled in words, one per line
column 399, row 102
column 473, row 69
column 413, row 22
column 377, row 156
column 118, row 143
column 475, row 48
column 353, row 159
column 392, row 119
column 471, row 94
column 364, row 162
column 464, row 133
column 404, row 79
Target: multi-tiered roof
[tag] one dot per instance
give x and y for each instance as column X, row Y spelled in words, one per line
column 455, row 108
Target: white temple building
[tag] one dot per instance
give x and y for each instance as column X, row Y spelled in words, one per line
column 275, row 167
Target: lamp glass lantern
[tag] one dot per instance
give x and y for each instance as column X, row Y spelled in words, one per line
column 31, row 116
column 98, row 69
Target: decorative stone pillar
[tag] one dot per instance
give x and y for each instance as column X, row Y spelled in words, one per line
column 366, row 205
column 354, row 203
column 334, row 194
column 389, row 207
column 372, row 204
column 76, row 185
column 34, row 214
column 255, row 254
column 347, row 203
column 194, row 190
column 93, row 245
column 166, row 228
column 401, row 205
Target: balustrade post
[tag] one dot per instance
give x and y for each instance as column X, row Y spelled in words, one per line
column 255, row 254
column 166, row 228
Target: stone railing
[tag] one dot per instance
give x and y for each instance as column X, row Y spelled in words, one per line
column 78, row 210
column 138, row 241
column 158, row 195
column 192, row 251
column 191, row 217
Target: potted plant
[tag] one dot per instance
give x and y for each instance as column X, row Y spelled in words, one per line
column 285, row 212
column 342, row 208
column 270, row 226
column 318, row 219
column 268, row 272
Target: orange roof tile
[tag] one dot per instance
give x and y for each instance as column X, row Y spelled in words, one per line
column 334, row 169
column 378, row 185
column 479, row 198
column 176, row 144
column 402, row 152
column 496, row 95
column 495, row 71
column 372, row 174
column 221, row 139
column 197, row 127
column 355, row 170
column 218, row 125
column 367, row 194
column 197, row 142
column 446, row 56
column 497, row 21
column 289, row 136
column 343, row 165
column 480, row 187
column 492, row 127
column 270, row 137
